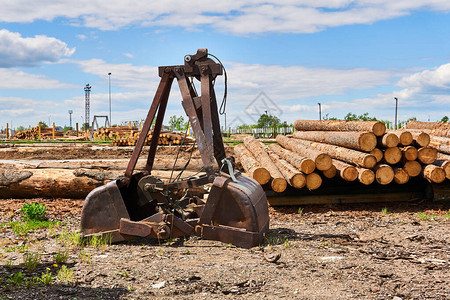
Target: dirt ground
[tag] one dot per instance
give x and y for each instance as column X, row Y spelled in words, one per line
column 366, row 251
column 376, row 251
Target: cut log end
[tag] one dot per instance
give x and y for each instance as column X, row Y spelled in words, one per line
column 413, row 168
column 366, row 176
column 369, row 161
column 323, row 162
column 349, row 173
column 384, row 174
column 389, row 140
column 400, row 176
column 313, row 181
column 261, row 175
column 427, row 155
column 378, row 154
column 379, row 129
column 405, row 138
column 392, row 155
column 330, row 173
column 298, row 181
column 307, row 166
column 367, row 141
column 279, row 185
column 410, row 153
column 422, row 139
column 434, row 173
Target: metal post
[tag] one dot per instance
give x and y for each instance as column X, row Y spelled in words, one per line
column 53, row 131
column 70, row 118
column 109, row 75
column 396, row 107
column 320, row 111
column 7, row 130
column 77, row 129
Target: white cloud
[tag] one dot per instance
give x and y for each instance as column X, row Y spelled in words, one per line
column 16, row 79
column 16, row 50
column 239, row 17
column 129, row 55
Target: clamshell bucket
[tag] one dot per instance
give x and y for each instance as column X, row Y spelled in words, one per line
column 236, row 212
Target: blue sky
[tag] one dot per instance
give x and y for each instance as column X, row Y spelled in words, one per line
column 351, row 56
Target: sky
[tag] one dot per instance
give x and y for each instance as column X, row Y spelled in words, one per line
column 283, row 57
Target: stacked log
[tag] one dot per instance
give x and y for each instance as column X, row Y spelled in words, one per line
column 33, row 133
column 129, row 136
column 351, row 151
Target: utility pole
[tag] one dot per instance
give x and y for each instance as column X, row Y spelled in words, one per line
column 70, row 118
column 87, row 105
column 320, row 111
column 109, row 74
column 396, row 107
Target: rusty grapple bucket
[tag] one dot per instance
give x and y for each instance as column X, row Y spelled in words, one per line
column 235, row 211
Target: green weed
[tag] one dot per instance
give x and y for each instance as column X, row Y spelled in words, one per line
column 35, row 211
column 300, row 211
column 99, row 241
column 423, row 216
column 46, row 278
column 16, row 279
column 65, row 275
column 85, row 257
column 287, row 243
column 31, row 260
column 384, row 211
column 61, row 256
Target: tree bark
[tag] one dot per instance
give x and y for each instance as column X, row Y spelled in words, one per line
column 363, row 141
column 366, row 176
column 304, row 164
column 413, row 168
column 377, row 128
column 445, row 165
column 405, row 138
column 330, row 173
column 443, row 156
column 434, row 173
column 294, row 177
column 436, row 128
column 420, row 125
column 383, row 174
column 409, row 153
column 345, row 171
column 52, row 183
column 350, row 156
column 392, row 155
column 378, row 154
column 322, row 160
column 313, row 181
column 278, row 182
column 427, row 155
column 251, row 165
column 441, row 147
column 388, row 140
column 400, row 175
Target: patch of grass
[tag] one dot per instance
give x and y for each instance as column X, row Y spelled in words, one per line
column 287, row 243
column 31, row 260
column 384, row 211
column 99, row 241
column 61, row 256
column 424, row 216
column 35, row 211
column 22, row 228
column 21, row 249
column 447, row 214
column 300, row 211
column 85, row 257
column 65, row 274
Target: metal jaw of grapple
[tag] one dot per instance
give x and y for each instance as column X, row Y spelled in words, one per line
column 235, row 211
column 140, row 204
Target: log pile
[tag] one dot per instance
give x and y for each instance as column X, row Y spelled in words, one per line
column 128, row 136
column 33, row 133
column 359, row 151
